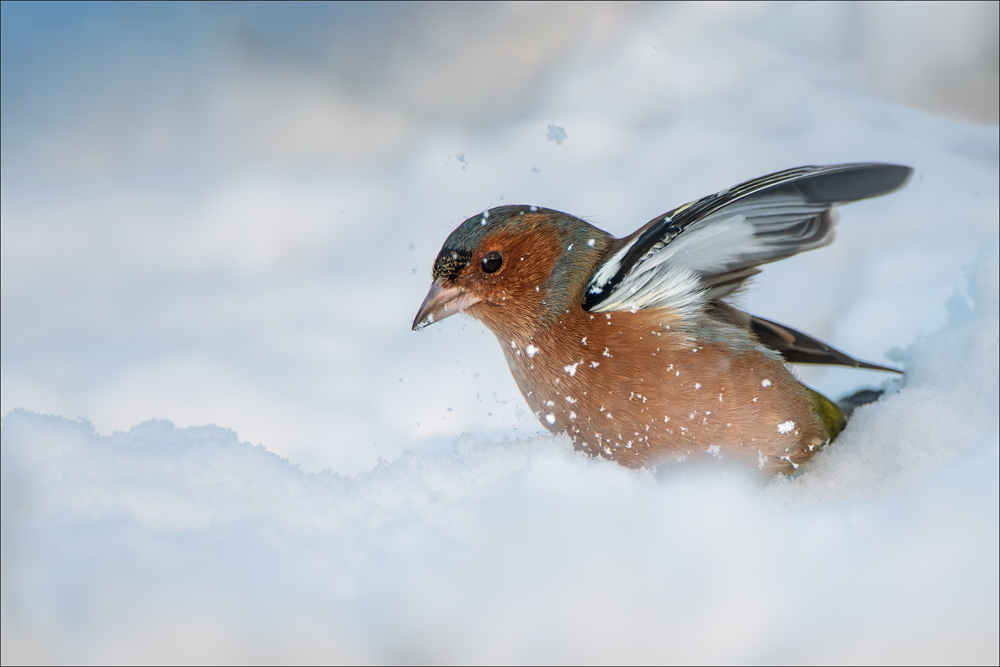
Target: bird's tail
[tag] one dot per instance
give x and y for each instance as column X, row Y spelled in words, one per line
column 848, row 404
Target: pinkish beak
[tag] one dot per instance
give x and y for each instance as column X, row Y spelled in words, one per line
column 442, row 301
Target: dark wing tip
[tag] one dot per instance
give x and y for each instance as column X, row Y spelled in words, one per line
column 852, row 182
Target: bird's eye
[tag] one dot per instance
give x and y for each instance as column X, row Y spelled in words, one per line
column 492, row 262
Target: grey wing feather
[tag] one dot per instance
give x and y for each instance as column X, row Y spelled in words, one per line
column 712, row 245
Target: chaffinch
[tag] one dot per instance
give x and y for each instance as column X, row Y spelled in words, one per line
column 629, row 345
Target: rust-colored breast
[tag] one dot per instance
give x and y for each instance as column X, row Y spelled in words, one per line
column 634, row 388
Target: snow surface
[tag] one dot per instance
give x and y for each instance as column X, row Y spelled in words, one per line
column 217, row 236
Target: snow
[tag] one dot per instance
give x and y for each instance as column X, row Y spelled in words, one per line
column 208, row 251
column 556, row 134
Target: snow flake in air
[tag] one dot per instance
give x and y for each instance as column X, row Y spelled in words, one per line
column 556, row 134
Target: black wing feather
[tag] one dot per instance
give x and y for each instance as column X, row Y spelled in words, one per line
column 799, row 348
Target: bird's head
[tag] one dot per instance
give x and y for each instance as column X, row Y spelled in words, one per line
column 516, row 268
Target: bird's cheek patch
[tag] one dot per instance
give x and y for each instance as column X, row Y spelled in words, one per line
column 529, row 257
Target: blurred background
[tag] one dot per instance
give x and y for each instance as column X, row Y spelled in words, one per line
column 226, row 213
column 222, row 213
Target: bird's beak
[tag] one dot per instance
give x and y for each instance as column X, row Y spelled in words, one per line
column 442, row 301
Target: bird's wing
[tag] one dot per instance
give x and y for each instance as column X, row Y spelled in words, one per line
column 795, row 346
column 706, row 249
column 799, row 348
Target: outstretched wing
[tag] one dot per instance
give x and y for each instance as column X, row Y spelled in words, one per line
column 706, row 249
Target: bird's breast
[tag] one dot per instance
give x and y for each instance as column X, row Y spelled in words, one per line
column 637, row 388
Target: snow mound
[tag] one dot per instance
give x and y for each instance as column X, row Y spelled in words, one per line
column 185, row 544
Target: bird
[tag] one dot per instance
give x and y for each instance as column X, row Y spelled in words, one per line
column 632, row 347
